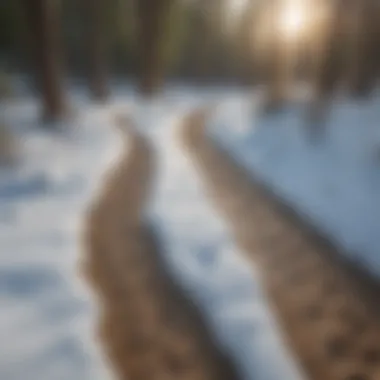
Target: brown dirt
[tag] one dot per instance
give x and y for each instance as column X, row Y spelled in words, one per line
column 148, row 326
column 328, row 309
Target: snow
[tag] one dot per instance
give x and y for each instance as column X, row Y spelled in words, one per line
column 47, row 315
column 203, row 257
column 335, row 182
column 47, row 318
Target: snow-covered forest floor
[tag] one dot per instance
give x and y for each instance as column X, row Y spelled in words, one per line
column 46, row 323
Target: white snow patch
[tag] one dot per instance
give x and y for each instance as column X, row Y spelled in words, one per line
column 335, row 183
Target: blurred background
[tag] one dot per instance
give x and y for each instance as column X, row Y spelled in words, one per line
column 296, row 82
column 332, row 44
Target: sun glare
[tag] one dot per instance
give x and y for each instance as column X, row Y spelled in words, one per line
column 292, row 18
column 233, row 11
column 237, row 6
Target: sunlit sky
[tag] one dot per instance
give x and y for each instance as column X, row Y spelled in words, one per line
column 234, row 10
column 291, row 17
column 237, row 6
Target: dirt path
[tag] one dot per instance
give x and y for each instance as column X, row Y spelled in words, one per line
column 327, row 308
column 148, row 327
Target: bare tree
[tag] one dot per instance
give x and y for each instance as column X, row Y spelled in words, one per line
column 247, row 46
column 44, row 27
column 97, row 48
column 329, row 68
column 276, row 60
column 151, row 22
column 363, row 51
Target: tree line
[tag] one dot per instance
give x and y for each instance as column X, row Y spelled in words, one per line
column 337, row 50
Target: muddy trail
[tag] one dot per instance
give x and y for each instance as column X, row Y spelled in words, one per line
column 148, row 327
column 327, row 308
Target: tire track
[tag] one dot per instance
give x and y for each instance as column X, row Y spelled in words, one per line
column 327, row 308
column 148, row 327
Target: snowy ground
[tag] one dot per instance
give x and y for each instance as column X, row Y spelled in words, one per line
column 206, row 261
column 45, row 323
column 47, row 316
column 335, row 183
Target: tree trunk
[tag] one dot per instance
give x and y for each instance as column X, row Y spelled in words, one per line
column 151, row 29
column 331, row 65
column 328, row 70
column 247, row 49
column 202, row 58
column 276, row 71
column 44, row 26
column 363, row 78
column 97, row 48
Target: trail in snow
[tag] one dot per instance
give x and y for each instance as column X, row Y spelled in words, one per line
column 206, row 261
column 319, row 301
column 46, row 324
column 334, row 183
column 47, row 320
column 147, row 324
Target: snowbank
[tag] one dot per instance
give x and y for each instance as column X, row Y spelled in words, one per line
column 335, row 183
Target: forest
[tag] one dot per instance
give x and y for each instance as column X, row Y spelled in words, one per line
column 189, row 189
column 242, row 42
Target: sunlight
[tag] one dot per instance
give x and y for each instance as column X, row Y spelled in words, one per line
column 292, row 18
column 237, row 6
column 233, row 12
